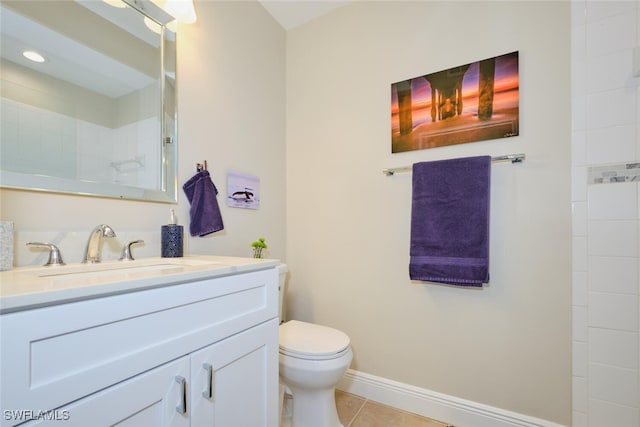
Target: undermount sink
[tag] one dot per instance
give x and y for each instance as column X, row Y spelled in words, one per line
column 119, row 268
column 108, row 272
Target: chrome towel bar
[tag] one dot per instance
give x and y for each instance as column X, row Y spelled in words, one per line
column 513, row 158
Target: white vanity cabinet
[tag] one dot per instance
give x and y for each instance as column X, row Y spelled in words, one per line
column 196, row 353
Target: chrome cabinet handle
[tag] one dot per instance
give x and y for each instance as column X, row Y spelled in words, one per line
column 208, row 392
column 182, row 407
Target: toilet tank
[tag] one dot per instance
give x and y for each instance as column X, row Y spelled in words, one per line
column 282, row 276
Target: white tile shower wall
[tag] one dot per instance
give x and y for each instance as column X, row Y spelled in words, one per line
column 614, row 348
column 606, row 217
column 137, row 145
column 41, row 141
column 30, row 127
column 101, row 146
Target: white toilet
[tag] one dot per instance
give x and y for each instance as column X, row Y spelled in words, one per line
column 313, row 358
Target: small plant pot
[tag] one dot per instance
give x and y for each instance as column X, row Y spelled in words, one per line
column 257, row 252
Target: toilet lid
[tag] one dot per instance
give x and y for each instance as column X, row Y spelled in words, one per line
column 309, row 339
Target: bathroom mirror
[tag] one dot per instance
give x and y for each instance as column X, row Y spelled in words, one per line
column 94, row 113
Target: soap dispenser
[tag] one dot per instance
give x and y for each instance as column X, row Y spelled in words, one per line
column 171, row 238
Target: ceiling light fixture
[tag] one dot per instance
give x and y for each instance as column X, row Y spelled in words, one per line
column 182, row 10
column 33, row 56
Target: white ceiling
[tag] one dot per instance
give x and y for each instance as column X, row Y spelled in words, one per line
column 291, row 13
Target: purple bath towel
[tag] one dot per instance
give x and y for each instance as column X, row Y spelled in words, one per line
column 205, row 212
column 450, row 221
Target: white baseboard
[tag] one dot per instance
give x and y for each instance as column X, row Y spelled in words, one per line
column 453, row 410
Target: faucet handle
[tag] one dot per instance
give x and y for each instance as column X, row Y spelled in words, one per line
column 126, row 251
column 55, row 258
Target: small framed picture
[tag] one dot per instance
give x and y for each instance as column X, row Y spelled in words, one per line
column 243, row 190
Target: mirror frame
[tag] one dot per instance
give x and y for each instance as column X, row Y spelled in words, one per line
column 169, row 130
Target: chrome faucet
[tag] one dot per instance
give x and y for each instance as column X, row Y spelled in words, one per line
column 93, row 252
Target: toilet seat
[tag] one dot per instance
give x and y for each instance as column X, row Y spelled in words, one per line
column 312, row 342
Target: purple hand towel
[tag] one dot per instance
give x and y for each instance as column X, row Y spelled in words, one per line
column 205, row 212
column 450, row 221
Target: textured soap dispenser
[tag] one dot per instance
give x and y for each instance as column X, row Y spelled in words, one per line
column 171, row 239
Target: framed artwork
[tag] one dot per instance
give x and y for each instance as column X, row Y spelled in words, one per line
column 243, row 190
column 468, row 103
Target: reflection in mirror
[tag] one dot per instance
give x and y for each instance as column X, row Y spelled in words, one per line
column 96, row 115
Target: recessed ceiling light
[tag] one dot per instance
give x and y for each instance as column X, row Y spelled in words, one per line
column 33, row 55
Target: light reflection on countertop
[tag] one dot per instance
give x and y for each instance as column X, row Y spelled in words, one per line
column 34, row 286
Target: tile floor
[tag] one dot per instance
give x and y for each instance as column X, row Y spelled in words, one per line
column 356, row 411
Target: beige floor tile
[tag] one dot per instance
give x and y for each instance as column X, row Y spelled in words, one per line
column 375, row 414
column 348, row 406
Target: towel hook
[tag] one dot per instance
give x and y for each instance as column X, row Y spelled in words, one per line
column 201, row 166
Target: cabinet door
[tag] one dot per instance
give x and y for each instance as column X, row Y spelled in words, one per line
column 234, row 383
column 153, row 399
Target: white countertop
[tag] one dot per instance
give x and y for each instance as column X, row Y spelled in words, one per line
column 29, row 287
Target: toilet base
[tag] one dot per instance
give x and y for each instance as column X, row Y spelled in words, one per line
column 312, row 384
column 314, row 408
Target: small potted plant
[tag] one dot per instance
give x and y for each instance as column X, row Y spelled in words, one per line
column 258, row 246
